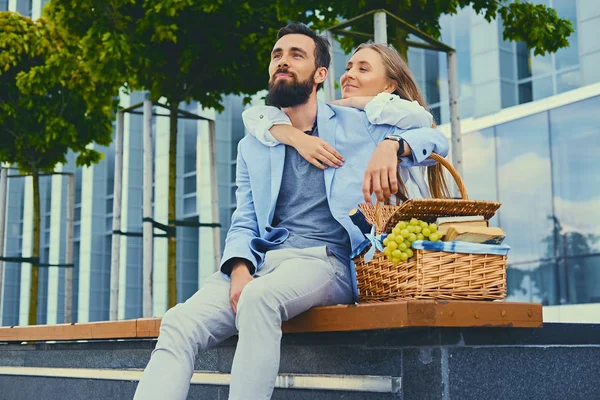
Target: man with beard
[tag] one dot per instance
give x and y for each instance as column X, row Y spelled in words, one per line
column 288, row 248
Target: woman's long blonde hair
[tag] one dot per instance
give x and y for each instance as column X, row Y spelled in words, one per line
column 398, row 72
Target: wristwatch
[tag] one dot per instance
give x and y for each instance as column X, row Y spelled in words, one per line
column 400, row 141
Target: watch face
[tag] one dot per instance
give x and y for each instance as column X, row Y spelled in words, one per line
column 393, row 137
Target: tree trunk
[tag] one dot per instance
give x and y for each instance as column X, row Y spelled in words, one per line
column 33, row 292
column 172, row 214
column 400, row 38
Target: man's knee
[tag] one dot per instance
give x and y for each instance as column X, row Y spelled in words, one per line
column 174, row 324
column 255, row 297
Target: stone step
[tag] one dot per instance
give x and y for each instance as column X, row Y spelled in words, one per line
column 89, row 384
column 558, row 361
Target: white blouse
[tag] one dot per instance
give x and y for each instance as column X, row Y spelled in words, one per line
column 383, row 109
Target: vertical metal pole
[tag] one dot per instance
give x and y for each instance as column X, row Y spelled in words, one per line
column 69, row 248
column 3, row 204
column 115, row 254
column 330, row 81
column 379, row 18
column 147, row 231
column 453, row 94
column 214, row 195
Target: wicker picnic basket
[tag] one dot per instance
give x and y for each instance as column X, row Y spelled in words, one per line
column 430, row 274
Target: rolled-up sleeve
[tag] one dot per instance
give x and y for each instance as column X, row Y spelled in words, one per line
column 423, row 142
column 390, row 109
column 259, row 119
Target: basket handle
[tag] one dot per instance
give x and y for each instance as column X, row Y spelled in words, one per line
column 459, row 182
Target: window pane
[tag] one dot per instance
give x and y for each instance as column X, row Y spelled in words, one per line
column 189, row 205
column 542, row 88
column 535, row 282
column 524, row 187
column 24, row 7
column 575, row 144
column 523, row 61
column 432, row 88
column 462, row 43
column 568, row 81
column 509, row 95
column 542, row 65
column 190, row 128
column 3, row 5
column 568, row 56
column 583, row 279
column 189, row 184
column 479, row 165
column 507, row 66
column 525, row 92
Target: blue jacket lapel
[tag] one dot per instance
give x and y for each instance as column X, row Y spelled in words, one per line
column 326, row 125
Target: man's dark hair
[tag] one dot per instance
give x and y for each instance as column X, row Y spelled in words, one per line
column 322, row 56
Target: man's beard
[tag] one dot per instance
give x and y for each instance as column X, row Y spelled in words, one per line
column 284, row 94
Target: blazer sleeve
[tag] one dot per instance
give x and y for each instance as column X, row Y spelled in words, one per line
column 259, row 119
column 422, row 141
column 244, row 225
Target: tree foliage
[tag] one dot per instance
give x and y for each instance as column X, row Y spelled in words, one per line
column 538, row 26
column 49, row 105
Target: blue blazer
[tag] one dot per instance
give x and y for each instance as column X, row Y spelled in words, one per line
column 260, row 170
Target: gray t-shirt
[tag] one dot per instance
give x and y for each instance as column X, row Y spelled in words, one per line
column 302, row 208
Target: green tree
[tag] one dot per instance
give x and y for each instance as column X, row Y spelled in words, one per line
column 538, row 26
column 49, row 105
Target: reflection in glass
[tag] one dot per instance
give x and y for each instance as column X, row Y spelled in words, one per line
column 542, row 88
column 575, row 137
column 508, row 94
column 523, row 61
column 524, row 186
column 569, row 80
column 507, row 66
column 568, row 56
column 432, row 72
column 24, row 7
column 534, row 282
column 187, row 255
column 479, row 164
column 583, row 279
column 541, row 65
column 525, row 92
column 190, row 128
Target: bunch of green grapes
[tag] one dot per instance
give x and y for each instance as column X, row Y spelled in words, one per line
column 398, row 243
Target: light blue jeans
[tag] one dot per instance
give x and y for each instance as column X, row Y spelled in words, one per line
column 290, row 282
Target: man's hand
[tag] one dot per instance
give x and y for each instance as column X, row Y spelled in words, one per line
column 380, row 176
column 240, row 276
